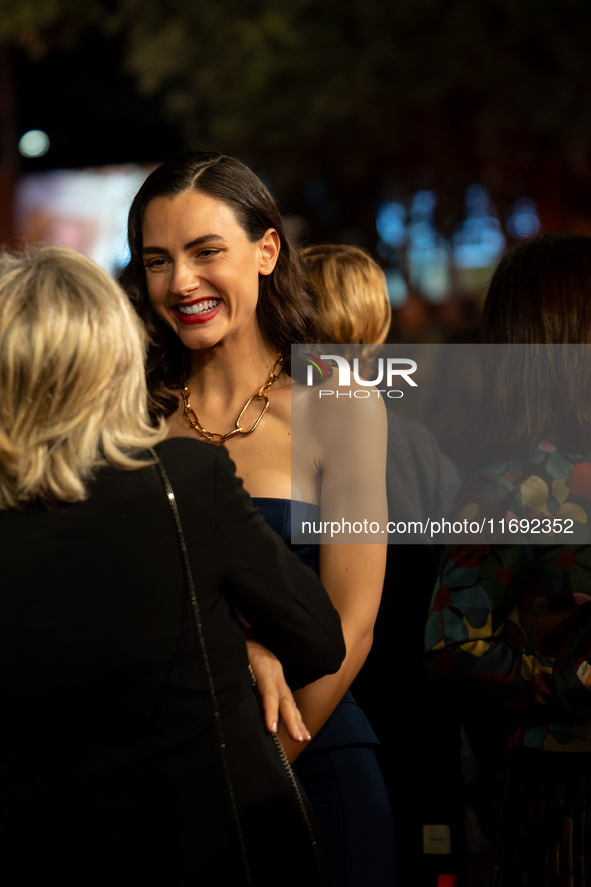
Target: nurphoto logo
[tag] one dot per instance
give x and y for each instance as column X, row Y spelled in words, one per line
column 388, row 370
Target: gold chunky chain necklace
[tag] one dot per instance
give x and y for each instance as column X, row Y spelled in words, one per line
column 261, row 394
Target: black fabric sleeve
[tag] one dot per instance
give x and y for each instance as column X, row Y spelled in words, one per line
column 283, row 600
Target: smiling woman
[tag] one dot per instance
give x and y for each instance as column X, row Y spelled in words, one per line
column 202, row 283
column 284, row 306
column 221, row 291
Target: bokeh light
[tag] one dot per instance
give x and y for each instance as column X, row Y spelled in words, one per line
column 34, row 143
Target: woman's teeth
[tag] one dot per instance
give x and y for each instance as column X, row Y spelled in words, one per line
column 198, row 307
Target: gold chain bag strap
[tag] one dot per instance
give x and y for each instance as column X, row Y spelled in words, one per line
column 205, row 656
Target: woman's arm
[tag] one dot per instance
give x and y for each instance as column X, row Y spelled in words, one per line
column 352, row 459
column 353, row 575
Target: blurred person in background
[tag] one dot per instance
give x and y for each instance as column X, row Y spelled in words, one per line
column 353, row 309
column 511, row 623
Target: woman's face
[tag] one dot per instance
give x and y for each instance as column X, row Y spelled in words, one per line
column 202, row 271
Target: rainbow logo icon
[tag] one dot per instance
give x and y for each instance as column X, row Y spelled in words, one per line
column 314, row 361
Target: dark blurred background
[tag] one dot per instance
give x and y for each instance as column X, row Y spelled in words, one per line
column 435, row 133
column 432, row 132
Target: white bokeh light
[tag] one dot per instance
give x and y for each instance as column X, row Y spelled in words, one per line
column 34, row 143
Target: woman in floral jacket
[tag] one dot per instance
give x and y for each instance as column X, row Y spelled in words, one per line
column 511, row 617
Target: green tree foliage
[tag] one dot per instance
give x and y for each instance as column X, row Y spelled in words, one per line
column 357, row 93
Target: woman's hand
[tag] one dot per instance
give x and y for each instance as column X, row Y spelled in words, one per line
column 276, row 695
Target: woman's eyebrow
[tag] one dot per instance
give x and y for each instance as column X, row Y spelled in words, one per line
column 150, row 250
column 203, row 239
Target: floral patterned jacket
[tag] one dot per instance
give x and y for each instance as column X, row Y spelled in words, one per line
column 515, row 619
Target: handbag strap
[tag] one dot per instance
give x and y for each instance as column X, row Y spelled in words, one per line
column 205, row 656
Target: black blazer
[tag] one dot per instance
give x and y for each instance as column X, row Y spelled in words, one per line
column 132, row 750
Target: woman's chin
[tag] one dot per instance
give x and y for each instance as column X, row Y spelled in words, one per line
column 196, row 337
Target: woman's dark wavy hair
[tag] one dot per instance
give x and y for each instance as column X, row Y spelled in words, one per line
column 538, row 302
column 285, row 309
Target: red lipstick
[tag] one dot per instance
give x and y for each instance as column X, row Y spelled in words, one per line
column 208, row 308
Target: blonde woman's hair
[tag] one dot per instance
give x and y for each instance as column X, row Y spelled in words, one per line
column 352, row 297
column 72, row 382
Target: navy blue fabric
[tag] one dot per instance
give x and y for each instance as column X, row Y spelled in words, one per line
column 351, row 804
column 339, row 770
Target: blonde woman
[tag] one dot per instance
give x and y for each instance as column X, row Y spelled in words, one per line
column 351, row 294
column 132, row 748
column 353, row 308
